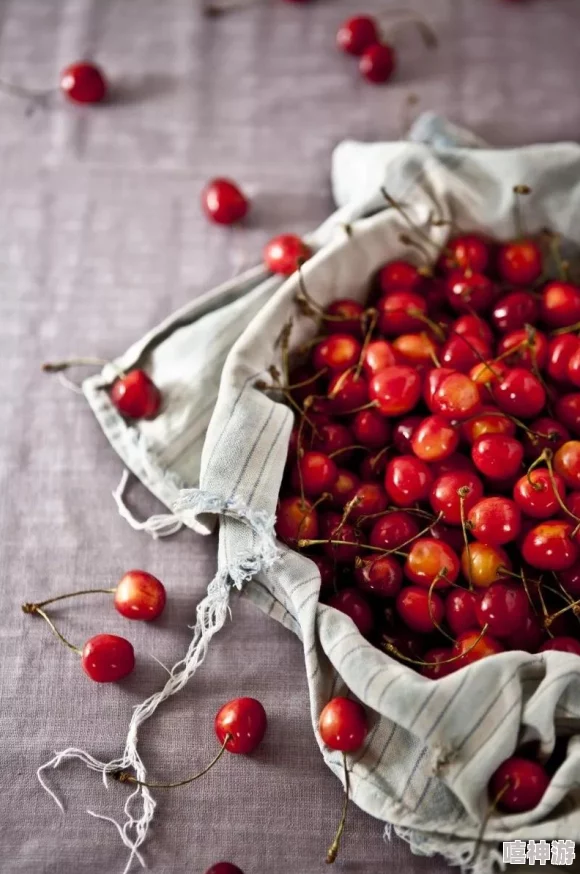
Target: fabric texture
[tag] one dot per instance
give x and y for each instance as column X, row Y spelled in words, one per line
column 432, row 747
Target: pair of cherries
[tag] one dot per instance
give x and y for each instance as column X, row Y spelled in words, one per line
column 106, row 658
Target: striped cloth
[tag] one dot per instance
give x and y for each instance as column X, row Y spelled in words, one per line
column 218, row 448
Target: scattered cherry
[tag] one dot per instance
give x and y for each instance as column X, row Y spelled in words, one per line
column 245, row 721
column 136, row 396
column 378, row 63
column 83, row 82
column 356, row 34
column 140, row 595
column 107, row 658
column 285, row 253
column 223, row 202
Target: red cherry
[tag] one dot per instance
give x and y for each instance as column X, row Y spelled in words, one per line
column 373, row 466
column 573, row 503
column 528, row 636
column 444, row 496
column 561, row 351
column 568, row 412
column 526, row 783
column 107, row 658
column 338, row 353
column 223, row 202
column 448, row 534
column 456, row 397
column 561, row 644
column 284, row 254
column 495, row 520
column 429, row 558
column 344, row 488
column 378, row 63
column 245, row 720
column 407, row 479
column 469, row 292
column 136, row 396
column 403, row 432
column 471, row 325
column 377, row 356
column 567, row 463
column 224, row 868
column 466, row 252
column 489, row 421
column 434, row 439
column 396, row 390
column 529, row 350
column 346, row 317
column 343, row 725
column 381, row 576
column 347, row 392
column 397, row 275
column 497, row 456
column 392, row 530
column 468, row 651
column 296, row 520
column 549, row 546
column 83, row 82
column 397, row 312
column 354, row 605
column 453, row 464
column 317, row 473
column 560, row 304
column 460, row 610
column 438, row 663
column 333, row 437
column 535, row 495
column 462, row 352
column 420, row 610
column 349, row 539
column 520, row 262
column 514, row 310
column 555, row 433
column 140, row 595
column 371, row 499
column 356, row 34
column 503, row 607
column 371, row 429
column 520, row 394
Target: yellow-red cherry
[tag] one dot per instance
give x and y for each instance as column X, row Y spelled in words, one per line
column 472, row 646
column 296, row 520
column 567, row 463
column 560, row 304
column 456, row 397
column 483, row 564
column 434, row 439
column 428, row 560
column 377, row 356
column 337, row 352
column 395, row 390
column 140, row 595
column 549, row 546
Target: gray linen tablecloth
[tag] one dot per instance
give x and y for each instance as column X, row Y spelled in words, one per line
column 101, row 237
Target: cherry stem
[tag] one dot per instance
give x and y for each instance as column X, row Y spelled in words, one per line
column 126, row 777
column 372, row 316
column 519, row 190
column 350, row 505
column 548, row 454
column 283, row 341
column 304, row 543
column 33, row 607
column 463, row 492
column 574, row 606
column 421, row 317
column 568, row 330
column 491, row 809
column 335, row 845
column 440, row 576
column 402, row 211
column 313, row 307
column 347, row 449
column 390, row 647
column 308, row 381
column 522, row 577
column 40, row 612
column 59, row 366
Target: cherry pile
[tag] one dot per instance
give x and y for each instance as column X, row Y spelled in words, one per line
column 433, row 471
column 106, row 658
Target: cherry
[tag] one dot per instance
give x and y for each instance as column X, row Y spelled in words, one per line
column 567, row 463
column 549, row 546
column 444, row 496
column 378, row 63
column 381, row 576
column 245, row 721
column 460, row 613
column 347, row 392
column 316, row 472
column 456, row 397
column 528, row 636
column 527, row 349
column 407, row 480
column 400, row 312
column 489, row 421
column 503, row 607
column 561, row 644
column 343, row 725
column 462, row 352
column 396, row 275
column 535, row 495
column 403, row 432
column 556, row 435
column 344, row 488
column 136, row 396
column 83, row 82
column 468, row 649
column 466, row 252
column 469, row 292
column 520, row 393
column 377, row 356
column 526, row 782
column 453, row 464
column 347, row 539
column 573, row 368
column 392, row 530
column 373, row 466
column 573, row 503
column 560, row 304
column 353, row 604
column 495, row 520
column 370, row 500
column 514, row 310
column 448, row 534
column 107, row 658
column 561, row 350
column 333, row 437
column 431, row 559
column 483, row 564
column 326, row 571
column 417, row 350
column 497, row 456
column 371, row 429
column 140, row 595
column 296, row 519
column 420, row 610
column 568, row 412
column 395, row 390
column 345, row 317
column 338, row 353
column 470, row 325
column 520, row 262
column 438, row 663
column 224, row 868
column 356, row 34
column 434, row 439
column 223, row 202
column 285, row 253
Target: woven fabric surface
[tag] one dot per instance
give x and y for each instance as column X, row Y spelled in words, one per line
column 101, row 237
